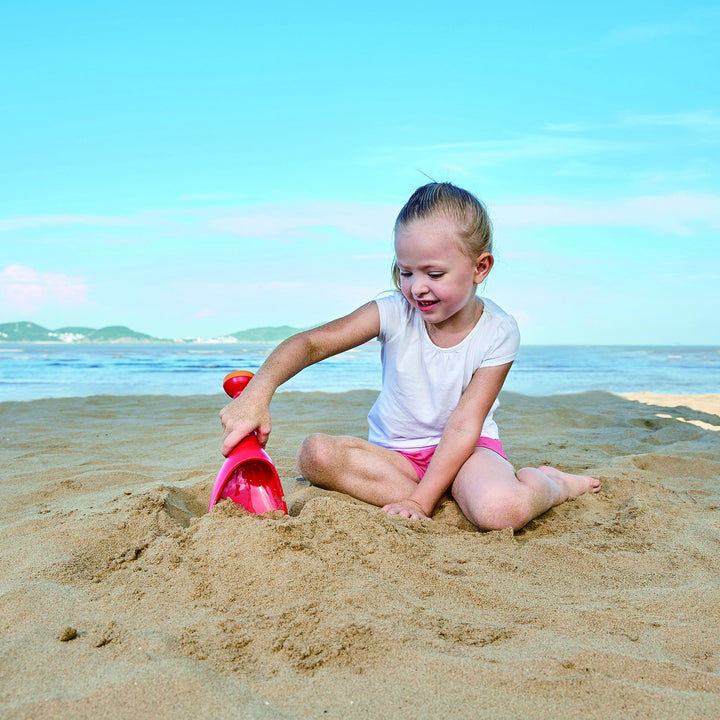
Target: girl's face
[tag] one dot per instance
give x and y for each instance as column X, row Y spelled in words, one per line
column 436, row 276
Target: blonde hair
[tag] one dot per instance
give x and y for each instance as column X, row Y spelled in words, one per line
column 474, row 226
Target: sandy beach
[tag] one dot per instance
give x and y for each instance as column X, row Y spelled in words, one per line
column 120, row 596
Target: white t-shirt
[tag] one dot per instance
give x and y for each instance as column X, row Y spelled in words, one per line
column 422, row 383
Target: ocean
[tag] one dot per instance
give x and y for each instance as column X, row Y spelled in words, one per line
column 30, row 371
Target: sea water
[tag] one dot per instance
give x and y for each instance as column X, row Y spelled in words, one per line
column 31, row 371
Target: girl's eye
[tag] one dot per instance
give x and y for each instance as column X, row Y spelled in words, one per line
column 404, row 273
column 435, row 276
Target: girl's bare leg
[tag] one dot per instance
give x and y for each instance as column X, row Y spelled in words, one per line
column 493, row 496
column 356, row 467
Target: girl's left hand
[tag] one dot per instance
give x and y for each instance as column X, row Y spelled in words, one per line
column 406, row 508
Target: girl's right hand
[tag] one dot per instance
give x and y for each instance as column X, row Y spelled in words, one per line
column 239, row 418
column 406, row 508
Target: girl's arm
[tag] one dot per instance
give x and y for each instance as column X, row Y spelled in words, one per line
column 251, row 410
column 457, row 443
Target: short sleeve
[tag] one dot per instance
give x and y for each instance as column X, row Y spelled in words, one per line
column 503, row 347
column 393, row 311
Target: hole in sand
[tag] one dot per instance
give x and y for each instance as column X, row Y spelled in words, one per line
column 184, row 504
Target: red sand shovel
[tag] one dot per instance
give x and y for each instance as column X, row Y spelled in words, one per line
column 248, row 476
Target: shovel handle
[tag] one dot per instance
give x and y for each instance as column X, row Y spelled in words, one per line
column 234, row 383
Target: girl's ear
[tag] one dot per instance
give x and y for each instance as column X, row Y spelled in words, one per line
column 483, row 266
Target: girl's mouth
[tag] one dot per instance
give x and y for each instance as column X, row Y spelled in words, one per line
column 425, row 305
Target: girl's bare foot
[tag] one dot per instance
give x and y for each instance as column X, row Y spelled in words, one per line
column 575, row 485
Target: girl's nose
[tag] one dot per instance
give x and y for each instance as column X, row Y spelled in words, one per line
column 419, row 287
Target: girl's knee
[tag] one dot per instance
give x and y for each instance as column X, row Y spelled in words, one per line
column 499, row 511
column 315, row 455
column 513, row 514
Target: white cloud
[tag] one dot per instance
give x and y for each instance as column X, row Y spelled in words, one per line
column 676, row 214
column 695, row 22
column 464, row 156
column 213, row 196
column 372, row 256
column 25, row 289
column 205, row 313
column 646, row 33
column 12, row 224
column 688, row 119
column 569, row 127
column 698, row 118
column 365, row 221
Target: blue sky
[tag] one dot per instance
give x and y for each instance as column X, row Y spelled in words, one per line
column 195, row 169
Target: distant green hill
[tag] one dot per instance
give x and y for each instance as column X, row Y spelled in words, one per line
column 26, row 332
column 266, row 334
column 119, row 333
column 31, row 332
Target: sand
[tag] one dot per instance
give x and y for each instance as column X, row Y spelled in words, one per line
column 121, row 597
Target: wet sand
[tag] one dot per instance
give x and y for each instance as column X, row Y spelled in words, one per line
column 121, row 597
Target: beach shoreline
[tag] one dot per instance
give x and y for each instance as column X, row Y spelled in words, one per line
column 122, row 596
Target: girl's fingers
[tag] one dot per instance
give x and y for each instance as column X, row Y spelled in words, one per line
column 230, row 441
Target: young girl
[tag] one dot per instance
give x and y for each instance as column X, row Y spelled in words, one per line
column 445, row 356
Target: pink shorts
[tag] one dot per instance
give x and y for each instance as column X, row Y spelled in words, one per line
column 420, row 459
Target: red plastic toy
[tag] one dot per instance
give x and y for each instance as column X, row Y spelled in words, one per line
column 248, row 476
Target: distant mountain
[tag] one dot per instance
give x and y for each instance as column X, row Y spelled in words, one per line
column 25, row 332
column 120, row 333
column 266, row 334
column 30, row 332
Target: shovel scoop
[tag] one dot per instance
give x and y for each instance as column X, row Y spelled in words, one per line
column 248, row 476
